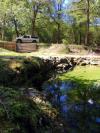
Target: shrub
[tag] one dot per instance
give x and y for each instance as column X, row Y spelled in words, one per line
column 64, row 41
column 16, row 109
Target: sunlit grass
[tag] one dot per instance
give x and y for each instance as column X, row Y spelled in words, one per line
column 4, row 52
column 89, row 73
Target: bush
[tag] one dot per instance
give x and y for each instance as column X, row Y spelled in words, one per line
column 28, row 72
column 64, row 41
column 97, row 39
column 18, row 110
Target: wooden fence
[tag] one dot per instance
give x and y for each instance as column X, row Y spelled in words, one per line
column 8, row 45
column 26, row 47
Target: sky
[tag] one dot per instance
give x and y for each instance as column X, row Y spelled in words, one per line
column 66, row 1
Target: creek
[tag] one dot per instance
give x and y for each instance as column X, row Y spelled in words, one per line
column 77, row 102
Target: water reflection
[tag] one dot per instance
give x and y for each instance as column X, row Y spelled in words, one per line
column 79, row 107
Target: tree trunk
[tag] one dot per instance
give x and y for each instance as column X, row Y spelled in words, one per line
column 33, row 27
column 16, row 27
column 58, row 34
column 87, row 23
column 3, row 28
column 80, row 41
column 3, row 32
column 35, row 11
column 58, row 24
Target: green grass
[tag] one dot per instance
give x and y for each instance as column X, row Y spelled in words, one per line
column 5, row 52
column 87, row 73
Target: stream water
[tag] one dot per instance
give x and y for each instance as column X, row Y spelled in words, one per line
column 79, row 108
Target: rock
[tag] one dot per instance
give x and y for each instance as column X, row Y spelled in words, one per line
column 67, row 63
column 94, row 62
column 85, row 62
column 64, row 60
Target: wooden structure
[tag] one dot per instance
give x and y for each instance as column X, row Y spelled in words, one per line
column 26, row 47
column 8, row 45
column 19, row 47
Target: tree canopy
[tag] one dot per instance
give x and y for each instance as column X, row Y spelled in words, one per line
column 54, row 21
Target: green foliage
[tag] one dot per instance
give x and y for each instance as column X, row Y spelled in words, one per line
column 47, row 19
column 65, row 42
column 28, row 72
column 96, row 36
column 83, row 17
column 16, row 109
column 6, row 73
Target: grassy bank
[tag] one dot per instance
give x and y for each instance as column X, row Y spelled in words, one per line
column 87, row 83
column 87, row 73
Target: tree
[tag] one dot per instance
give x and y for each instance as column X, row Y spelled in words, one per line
column 12, row 14
column 3, row 17
column 82, row 12
column 56, row 11
column 49, row 20
column 36, row 7
column 88, row 21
